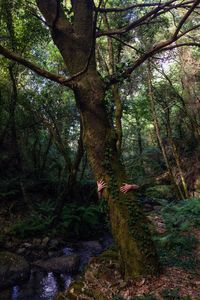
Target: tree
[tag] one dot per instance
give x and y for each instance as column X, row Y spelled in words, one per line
column 74, row 30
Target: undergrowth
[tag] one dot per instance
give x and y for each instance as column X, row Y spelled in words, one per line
column 77, row 221
column 175, row 246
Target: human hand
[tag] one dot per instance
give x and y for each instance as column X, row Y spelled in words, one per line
column 101, row 185
column 127, row 187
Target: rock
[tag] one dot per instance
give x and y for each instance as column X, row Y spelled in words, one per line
column 53, row 244
column 9, row 245
column 27, row 245
column 13, row 269
column 55, row 253
column 36, row 255
column 95, row 246
column 36, row 242
column 65, row 264
column 21, row 250
column 51, row 253
column 45, row 242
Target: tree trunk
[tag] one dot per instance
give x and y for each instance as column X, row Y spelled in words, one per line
column 76, row 43
column 18, row 156
column 128, row 223
column 139, row 140
column 176, row 156
column 68, row 191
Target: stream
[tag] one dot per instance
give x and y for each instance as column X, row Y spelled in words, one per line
column 45, row 285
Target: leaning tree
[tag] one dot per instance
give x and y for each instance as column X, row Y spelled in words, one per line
column 74, row 31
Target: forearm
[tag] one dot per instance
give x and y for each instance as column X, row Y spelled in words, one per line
column 99, row 195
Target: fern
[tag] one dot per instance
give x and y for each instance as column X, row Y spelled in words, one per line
column 81, row 220
column 176, row 245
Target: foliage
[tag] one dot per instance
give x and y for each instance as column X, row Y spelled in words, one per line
column 185, row 214
column 77, row 221
column 45, row 208
column 37, row 223
column 9, row 187
column 33, row 226
column 147, row 297
column 160, row 192
column 117, row 297
column 82, row 221
column 170, row 294
column 175, row 246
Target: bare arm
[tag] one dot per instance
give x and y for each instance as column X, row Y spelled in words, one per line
column 128, row 187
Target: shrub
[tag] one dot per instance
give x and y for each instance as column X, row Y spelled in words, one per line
column 170, row 294
column 176, row 245
column 145, row 297
column 37, row 223
column 160, row 192
column 82, row 221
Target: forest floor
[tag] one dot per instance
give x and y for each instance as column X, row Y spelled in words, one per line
column 103, row 281
column 179, row 252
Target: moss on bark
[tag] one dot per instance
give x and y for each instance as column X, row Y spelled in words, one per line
column 129, row 225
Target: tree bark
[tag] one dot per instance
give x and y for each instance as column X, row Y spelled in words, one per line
column 128, row 223
column 76, row 45
column 176, row 157
column 18, row 155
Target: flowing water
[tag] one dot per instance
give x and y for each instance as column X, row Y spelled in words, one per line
column 45, row 285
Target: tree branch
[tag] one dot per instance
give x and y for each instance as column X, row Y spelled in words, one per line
column 126, row 44
column 185, row 32
column 70, row 82
column 185, row 17
column 92, row 49
column 163, row 46
column 54, row 14
column 160, row 9
column 44, row 73
column 118, row 10
column 180, row 45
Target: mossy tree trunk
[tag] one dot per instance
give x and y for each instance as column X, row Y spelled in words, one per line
column 128, row 223
column 76, row 44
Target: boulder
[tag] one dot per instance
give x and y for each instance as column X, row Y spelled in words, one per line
column 62, row 264
column 36, row 243
column 45, row 242
column 53, row 244
column 21, row 251
column 27, row 245
column 93, row 246
column 13, row 269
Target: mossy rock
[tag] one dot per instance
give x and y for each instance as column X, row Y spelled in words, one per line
column 160, row 192
column 13, row 269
